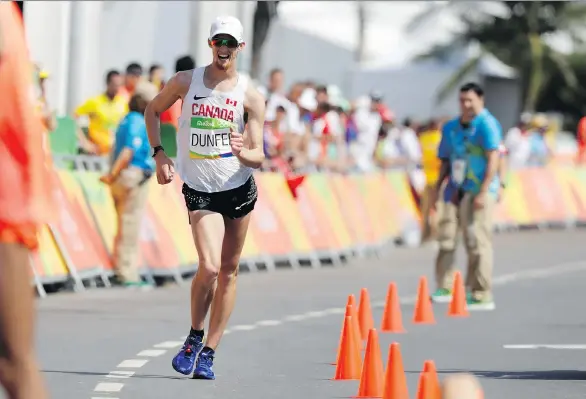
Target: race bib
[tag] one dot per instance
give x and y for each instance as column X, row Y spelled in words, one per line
column 209, row 138
column 459, row 171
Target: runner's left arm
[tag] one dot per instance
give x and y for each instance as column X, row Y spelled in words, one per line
column 252, row 155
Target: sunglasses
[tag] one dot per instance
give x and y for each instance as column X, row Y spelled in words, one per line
column 230, row 43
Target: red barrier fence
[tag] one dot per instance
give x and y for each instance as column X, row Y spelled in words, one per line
column 333, row 216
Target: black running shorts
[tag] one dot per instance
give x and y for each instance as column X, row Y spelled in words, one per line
column 233, row 204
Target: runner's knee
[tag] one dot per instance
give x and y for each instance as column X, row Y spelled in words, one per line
column 229, row 270
column 208, row 271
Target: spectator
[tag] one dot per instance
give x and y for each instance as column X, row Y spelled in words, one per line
column 327, row 148
column 133, row 75
column 274, row 94
column 540, row 150
column 295, row 129
column 274, row 142
column 307, row 105
column 184, row 63
column 131, row 170
column 316, row 150
column 291, row 127
column 368, row 122
column 172, row 114
column 321, row 94
column 518, row 143
column 295, row 92
column 104, row 112
column 156, row 76
column 410, row 150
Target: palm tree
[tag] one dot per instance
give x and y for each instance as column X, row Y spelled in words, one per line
column 518, row 33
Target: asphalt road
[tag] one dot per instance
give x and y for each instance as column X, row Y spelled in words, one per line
column 285, row 328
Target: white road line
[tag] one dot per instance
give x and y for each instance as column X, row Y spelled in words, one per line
column 244, row 327
column 132, row 363
column 120, row 374
column 540, row 273
column 316, row 314
column 108, row 387
column 335, row 311
column 152, row 353
column 295, row 317
column 109, row 397
column 268, row 323
column 169, row 344
column 547, row 346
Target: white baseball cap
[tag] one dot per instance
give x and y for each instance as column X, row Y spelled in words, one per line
column 227, row 26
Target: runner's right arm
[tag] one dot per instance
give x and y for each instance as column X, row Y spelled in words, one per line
column 175, row 89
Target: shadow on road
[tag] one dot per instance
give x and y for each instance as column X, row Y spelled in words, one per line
column 544, row 375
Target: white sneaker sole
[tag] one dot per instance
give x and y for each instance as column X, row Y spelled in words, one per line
column 441, row 299
column 482, row 306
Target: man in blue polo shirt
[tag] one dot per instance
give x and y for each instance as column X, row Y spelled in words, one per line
column 469, row 150
column 131, row 169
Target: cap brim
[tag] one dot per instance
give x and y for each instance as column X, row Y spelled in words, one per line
column 227, row 34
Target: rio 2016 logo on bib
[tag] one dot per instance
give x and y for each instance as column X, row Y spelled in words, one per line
column 210, row 138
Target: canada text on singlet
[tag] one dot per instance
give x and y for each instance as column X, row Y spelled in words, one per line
column 204, row 158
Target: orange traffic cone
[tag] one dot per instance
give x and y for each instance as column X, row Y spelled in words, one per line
column 458, row 306
column 392, row 318
column 349, row 363
column 356, row 326
column 395, row 380
column 429, row 386
column 350, row 312
column 340, row 341
column 371, row 380
column 425, row 389
column 365, row 319
column 423, row 313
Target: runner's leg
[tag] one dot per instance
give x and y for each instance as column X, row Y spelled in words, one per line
column 225, row 294
column 208, row 233
column 19, row 372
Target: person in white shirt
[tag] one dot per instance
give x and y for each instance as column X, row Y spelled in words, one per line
column 368, row 123
column 518, row 143
column 410, row 148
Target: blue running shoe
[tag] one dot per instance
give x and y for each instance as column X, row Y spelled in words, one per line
column 203, row 368
column 184, row 361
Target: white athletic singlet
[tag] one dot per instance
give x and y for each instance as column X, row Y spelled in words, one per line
column 204, row 158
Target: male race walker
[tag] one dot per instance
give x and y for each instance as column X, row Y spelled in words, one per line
column 215, row 160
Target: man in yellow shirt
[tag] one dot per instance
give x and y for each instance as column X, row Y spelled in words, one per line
column 429, row 140
column 104, row 111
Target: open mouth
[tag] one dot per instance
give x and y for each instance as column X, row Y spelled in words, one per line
column 223, row 57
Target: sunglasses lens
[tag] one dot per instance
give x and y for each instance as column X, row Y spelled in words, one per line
column 230, row 43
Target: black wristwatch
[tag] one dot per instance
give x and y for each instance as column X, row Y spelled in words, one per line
column 157, row 149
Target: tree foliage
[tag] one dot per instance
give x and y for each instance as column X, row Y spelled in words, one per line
column 520, row 38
